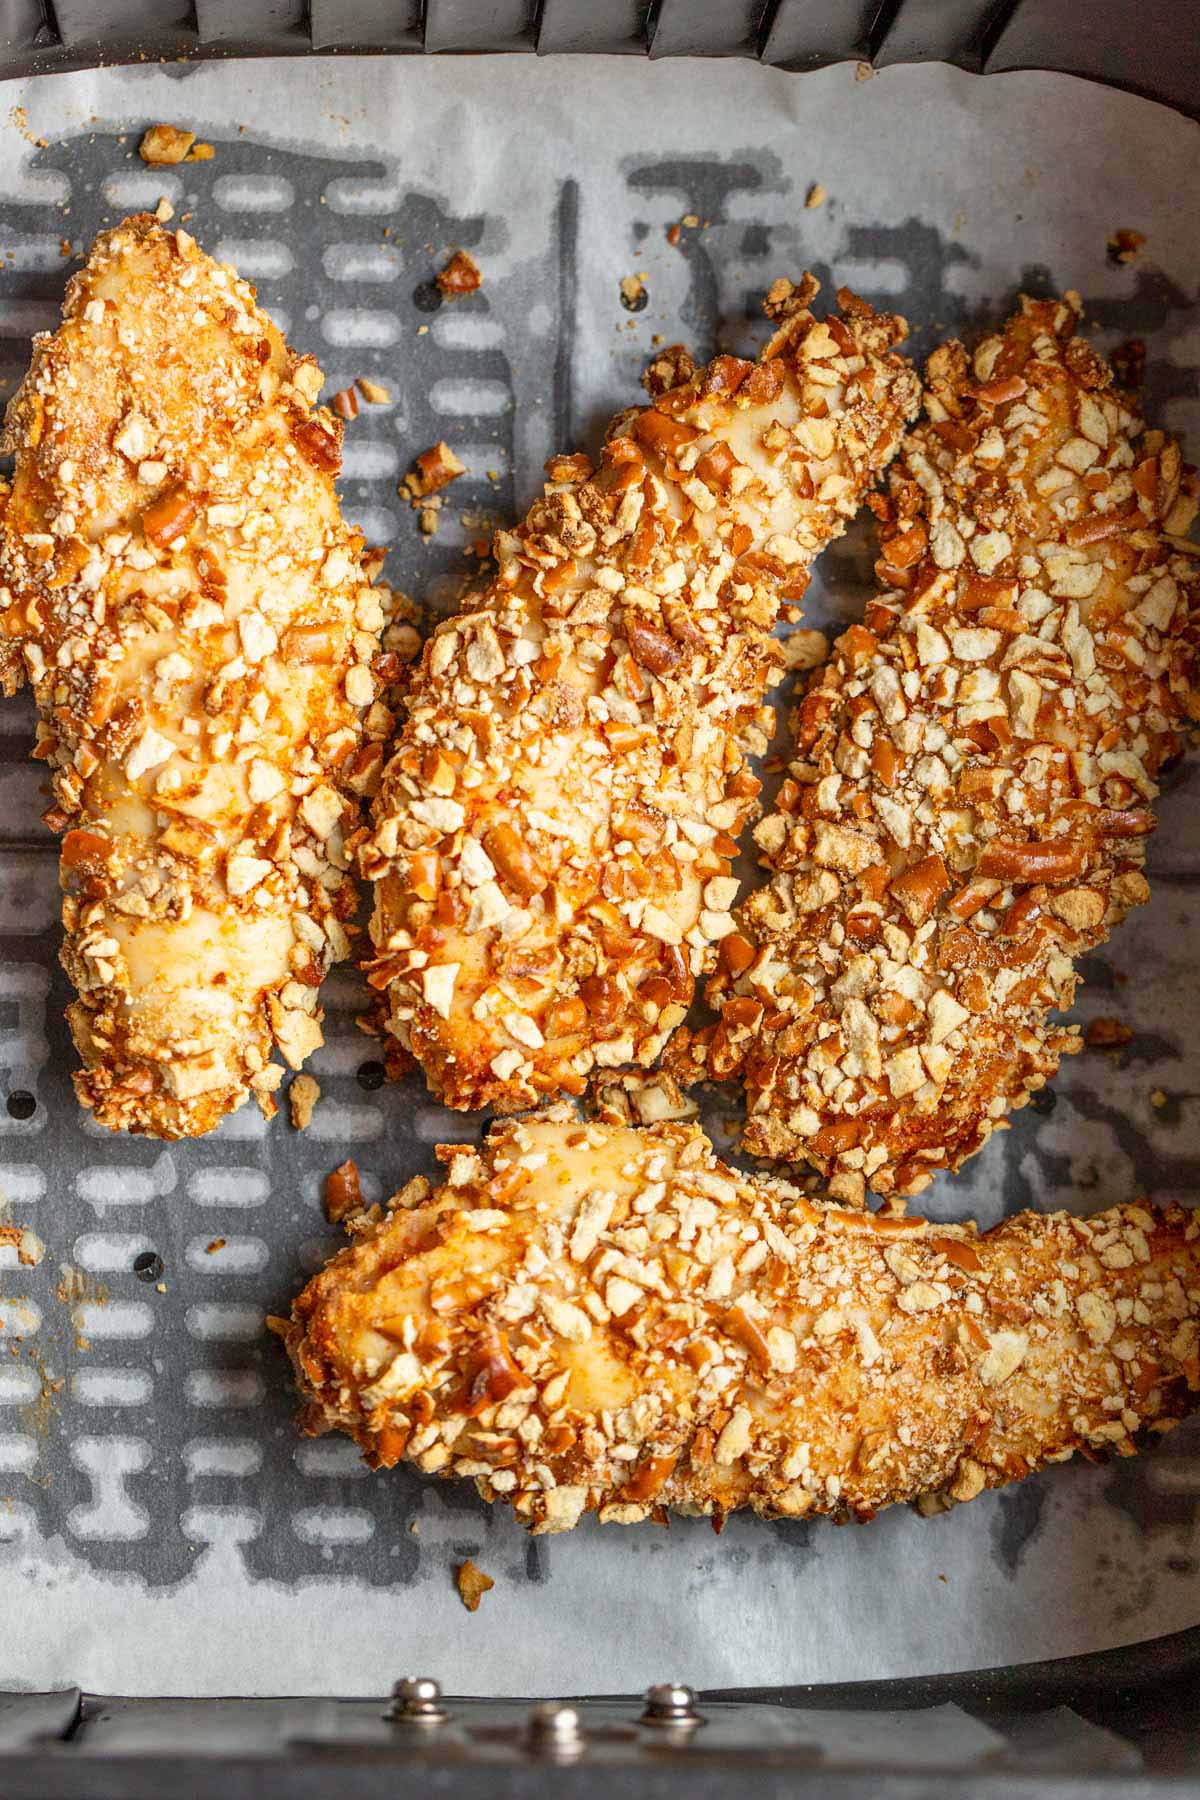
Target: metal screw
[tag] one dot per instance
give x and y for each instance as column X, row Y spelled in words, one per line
column 418, row 1699
column 554, row 1730
column 670, row 1703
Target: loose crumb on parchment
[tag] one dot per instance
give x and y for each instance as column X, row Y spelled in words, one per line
column 302, row 1100
column 461, row 275
column 1107, row 1034
column 472, row 1584
column 343, row 1192
column 163, row 145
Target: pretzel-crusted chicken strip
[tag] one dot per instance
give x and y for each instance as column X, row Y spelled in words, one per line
column 553, row 839
column 179, row 587
column 599, row 1317
column 975, row 765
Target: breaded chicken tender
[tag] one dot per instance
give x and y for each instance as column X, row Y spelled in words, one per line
column 552, row 842
column 178, row 586
column 975, row 767
column 599, row 1318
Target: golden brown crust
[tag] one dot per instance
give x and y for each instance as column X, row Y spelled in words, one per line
column 595, row 1317
column 179, row 587
column 553, row 839
column 974, row 768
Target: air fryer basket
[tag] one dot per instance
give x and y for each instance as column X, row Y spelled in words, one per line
column 1128, row 1720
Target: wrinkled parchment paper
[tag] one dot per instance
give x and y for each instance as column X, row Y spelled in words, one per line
column 162, row 1529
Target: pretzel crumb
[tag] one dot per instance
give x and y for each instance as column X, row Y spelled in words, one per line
column 343, row 1192
column 461, row 275
column 804, row 650
column 1124, row 245
column 472, row 1584
column 19, row 118
column 1107, row 1034
column 373, row 392
column 816, row 196
column 414, row 1193
column 627, row 1097
column 303, row 1095
column 28, row 1246
column 164, row 145
column 634, row 295
column 433, row 470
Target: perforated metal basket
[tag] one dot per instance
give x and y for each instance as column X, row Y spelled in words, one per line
column 1126, row 1722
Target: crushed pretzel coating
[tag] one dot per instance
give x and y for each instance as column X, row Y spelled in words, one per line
column 589, row 1318
column 973, row 773
column 179, row 588
column 553, row 842
column 629, row 1097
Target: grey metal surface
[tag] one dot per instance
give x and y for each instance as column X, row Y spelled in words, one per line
column 957, row 31
column 480, row 24
column 993, row 1735
column 933, row 1738
column 804, row 34
column 28, row 1720
column 1152, row 46
column 366, row 24
column 95, row 22
column 274, row 24
column 708, row 27
column 617, row 26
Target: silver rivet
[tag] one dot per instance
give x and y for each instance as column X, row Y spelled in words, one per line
column 419, row 1698
column 554, row 1730
column 670, row 1703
